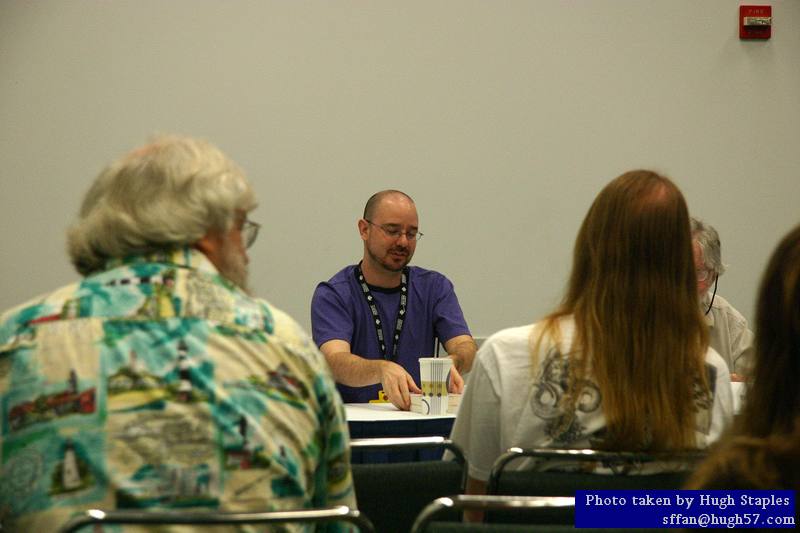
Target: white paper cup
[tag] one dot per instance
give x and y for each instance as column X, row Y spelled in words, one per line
column 434, row 374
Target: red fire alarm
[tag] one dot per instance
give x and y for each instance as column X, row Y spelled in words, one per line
column 755, row 22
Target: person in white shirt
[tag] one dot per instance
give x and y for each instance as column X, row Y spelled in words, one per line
column 728, row 332
column 623, row 363
column 762, row 451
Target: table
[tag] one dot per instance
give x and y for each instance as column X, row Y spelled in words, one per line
column 373, row 420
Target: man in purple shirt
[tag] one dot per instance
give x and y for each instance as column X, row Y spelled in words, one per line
column 374, row 320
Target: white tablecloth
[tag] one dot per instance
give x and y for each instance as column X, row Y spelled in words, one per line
column 374, row 412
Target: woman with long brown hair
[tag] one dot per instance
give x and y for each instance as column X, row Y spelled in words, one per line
column 772, row 404
column 623, row 363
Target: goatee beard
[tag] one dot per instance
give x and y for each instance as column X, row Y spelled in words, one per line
column 386, row 266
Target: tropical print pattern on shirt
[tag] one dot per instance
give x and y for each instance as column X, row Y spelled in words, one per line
column 157, row 383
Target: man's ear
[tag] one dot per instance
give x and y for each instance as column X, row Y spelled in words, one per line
column 210, row 243
column 363, row 226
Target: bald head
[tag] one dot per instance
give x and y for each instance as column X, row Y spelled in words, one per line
column 376, row 199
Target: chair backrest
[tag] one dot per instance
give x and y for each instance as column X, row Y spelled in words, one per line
column 522, row 506
column 408, row 443
column 673, row 467
column 339, row 513
column 536, row 511
column 392, row 494
column 403, row 449
column 671, row 471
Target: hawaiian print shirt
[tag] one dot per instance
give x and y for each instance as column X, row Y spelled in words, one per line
column 159, row 384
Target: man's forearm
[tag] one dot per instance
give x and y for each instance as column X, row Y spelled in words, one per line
column 354, row 371
column 463, row 354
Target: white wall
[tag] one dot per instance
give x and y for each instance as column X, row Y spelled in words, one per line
column 503, row 119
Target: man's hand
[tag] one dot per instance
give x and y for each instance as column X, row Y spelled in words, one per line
column 737, row 377
column 456, row 384
column 398, row 385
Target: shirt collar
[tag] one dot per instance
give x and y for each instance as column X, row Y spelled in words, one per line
column 186, row 257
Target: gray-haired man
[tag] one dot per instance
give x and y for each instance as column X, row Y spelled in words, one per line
column 157, row 380
column 728, row 331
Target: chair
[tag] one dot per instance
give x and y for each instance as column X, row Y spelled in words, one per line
column 532, row 482
column 330, row 514
column 523, row 506
column 392, row 494
column 539, row 482
column 536, row 509
column 396, row 444
column 419, row 446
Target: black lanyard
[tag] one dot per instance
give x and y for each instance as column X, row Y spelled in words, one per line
column 376, row 318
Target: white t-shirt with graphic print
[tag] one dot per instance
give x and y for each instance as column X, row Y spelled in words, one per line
column 509, row 403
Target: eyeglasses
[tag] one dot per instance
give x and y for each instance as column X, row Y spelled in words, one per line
column 704, row 274
column 394, row 233
column 250, row 232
